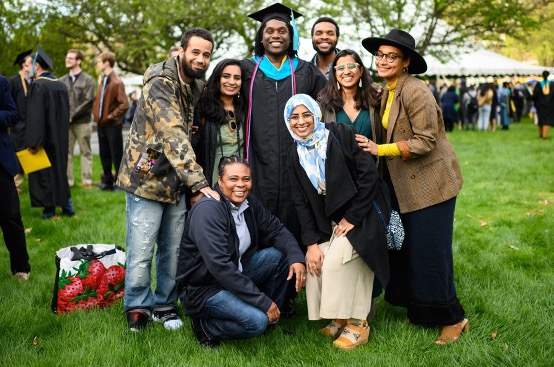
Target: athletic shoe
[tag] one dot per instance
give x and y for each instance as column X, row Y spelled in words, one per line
column 137, row 320
column 22, row 276
column 169, row 318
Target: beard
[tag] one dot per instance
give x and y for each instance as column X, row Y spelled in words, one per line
column 325, row 53
column 189, row 72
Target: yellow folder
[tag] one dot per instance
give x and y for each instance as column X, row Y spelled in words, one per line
column 33, row 162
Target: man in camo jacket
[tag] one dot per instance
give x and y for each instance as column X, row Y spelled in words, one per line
column 158, row 164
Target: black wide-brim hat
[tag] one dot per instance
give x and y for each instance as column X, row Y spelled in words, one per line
column 402, row 40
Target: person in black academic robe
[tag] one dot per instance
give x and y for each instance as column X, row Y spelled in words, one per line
column 47, row 126
column 267, row 138
column 543, row 97
column 19, row 87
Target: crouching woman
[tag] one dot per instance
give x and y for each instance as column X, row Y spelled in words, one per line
column 235, row 261
column 334, row 186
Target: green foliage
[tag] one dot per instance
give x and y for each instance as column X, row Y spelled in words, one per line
column 503, row 271
column 141, row 32
column 441, row 25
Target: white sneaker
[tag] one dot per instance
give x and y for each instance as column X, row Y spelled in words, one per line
column 169, row 318
column 22, row 276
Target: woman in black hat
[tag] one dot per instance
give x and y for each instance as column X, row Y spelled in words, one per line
column 422, row 171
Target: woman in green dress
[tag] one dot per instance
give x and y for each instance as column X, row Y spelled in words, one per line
column 350, row 97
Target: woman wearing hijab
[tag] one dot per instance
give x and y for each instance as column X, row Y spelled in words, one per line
column 333, row 183
column 422, row 171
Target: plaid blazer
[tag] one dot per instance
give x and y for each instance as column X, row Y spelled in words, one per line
column 427, row 172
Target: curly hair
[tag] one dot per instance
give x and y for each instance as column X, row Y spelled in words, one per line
column 366, row 95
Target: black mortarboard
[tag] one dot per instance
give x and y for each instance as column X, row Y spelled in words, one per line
column 275, row 11
column 42, row 55
column 21, row 57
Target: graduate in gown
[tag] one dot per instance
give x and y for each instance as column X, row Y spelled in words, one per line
column 272, row 76
column 19, row 87
column 47, row 126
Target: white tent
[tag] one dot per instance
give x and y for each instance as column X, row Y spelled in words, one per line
column 481, row 63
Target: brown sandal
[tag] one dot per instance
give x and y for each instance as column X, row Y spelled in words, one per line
column 352, row 336
column 451, row 333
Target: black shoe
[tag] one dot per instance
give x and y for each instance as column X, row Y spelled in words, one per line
column 137, row 320
column 288, row 309
column 203, row 339
column 48, row 213
column 106, row 187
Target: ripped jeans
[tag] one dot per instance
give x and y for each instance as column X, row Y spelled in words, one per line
column 148, row 223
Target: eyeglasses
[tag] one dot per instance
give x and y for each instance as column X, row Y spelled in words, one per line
column 389, row 57
column 350, row 66
column 306, row 116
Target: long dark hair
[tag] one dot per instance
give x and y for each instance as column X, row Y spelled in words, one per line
column 259, row 49
column 211, row 106
column 366, row 95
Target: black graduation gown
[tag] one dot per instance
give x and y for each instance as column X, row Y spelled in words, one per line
column 544, row 104
column 270, row 139
column 17, row 132
column 47, row 125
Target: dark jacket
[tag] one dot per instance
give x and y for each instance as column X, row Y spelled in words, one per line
column 9, row 116
column 19, row 88
column 352, row 184
column 115, row 102
column 81, row 97
column 209, row 253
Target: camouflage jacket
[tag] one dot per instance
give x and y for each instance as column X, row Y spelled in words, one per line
column 158, row 160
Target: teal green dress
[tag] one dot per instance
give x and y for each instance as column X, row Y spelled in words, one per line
column 362, row 123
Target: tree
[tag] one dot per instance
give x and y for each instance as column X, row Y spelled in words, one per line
column 442, row 25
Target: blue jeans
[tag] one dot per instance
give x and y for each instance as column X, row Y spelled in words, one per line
column 152, row 223
column 225, row 316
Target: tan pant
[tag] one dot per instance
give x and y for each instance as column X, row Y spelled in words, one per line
column 345, row 287
column 80, row 133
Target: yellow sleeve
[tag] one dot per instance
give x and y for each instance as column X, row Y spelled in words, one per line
column 388, row 150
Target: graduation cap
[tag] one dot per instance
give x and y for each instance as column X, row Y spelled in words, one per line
column 276, row 11
column 283, row 13
column 22, row 56
column 41, row 55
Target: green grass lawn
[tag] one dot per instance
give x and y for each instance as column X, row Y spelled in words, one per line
column 503, row 244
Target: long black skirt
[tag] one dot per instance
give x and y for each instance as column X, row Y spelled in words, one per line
column 422, row 272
